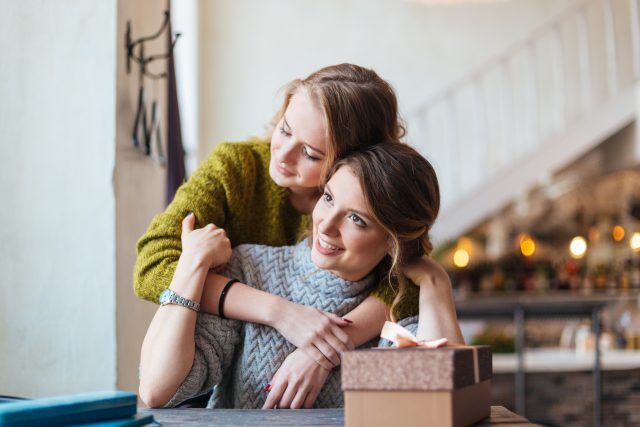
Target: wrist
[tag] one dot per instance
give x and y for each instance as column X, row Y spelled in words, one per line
column 188, row 279
column 192, row 262
column 277, row 312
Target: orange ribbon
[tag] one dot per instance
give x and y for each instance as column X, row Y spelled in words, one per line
column 403, row 338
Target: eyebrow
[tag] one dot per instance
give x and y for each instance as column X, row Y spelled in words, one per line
column 286, row 123
column 362, row 214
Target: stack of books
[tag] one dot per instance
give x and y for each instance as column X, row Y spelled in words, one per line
column 104, row 408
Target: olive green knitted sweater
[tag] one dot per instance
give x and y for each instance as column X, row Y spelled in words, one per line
column 232, row 189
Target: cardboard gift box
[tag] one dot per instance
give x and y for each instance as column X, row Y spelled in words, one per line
column 449, row 386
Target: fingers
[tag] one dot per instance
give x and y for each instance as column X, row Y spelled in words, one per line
column 340, row 321
column 337, row 338
column 188, row 223
column 338, row 346
column 329, row 352
column 299, row 399
column 317, row 356
column 274, row 396
column 311, row 397
column 289, row 395
column 293, row 396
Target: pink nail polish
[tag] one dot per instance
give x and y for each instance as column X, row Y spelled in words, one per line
column 267, row 387
column 347, row 320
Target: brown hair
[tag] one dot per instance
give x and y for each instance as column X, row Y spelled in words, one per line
column 360, row 108
column 401, row 191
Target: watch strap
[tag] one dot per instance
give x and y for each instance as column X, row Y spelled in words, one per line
column 174, row 298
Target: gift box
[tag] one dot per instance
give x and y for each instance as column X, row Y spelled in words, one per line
column 449, row 386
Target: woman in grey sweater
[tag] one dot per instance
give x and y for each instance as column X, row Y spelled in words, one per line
column 372, row 222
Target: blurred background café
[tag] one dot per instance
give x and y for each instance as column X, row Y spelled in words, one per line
column 526, row 108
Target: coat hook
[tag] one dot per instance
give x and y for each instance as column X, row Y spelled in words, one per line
column 147, row 131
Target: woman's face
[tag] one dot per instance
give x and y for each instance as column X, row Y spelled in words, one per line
column 346, row 239
column 299, row 145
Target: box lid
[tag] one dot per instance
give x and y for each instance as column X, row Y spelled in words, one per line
column 415, row 368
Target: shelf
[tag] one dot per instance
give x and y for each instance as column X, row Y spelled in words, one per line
column 565, row 360
column 558, row 303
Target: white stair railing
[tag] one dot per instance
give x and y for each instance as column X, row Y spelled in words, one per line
column 506, row 110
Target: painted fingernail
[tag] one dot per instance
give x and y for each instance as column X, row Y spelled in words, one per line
column 267, row 387
column 347, row 320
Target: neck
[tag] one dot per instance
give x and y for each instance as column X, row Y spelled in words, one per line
column 304, row 200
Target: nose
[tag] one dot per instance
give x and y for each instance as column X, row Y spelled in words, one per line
column 329, row 225
column 286, row 152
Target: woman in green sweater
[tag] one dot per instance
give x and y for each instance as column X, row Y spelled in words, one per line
column 261, row 192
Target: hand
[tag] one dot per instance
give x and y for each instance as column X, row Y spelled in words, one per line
column 208, row 245
column 425, row 271
column 314, row 331
column 297, row 383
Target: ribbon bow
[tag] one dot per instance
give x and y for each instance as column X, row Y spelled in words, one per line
column 403, row 338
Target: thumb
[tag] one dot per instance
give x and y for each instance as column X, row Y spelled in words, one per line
column 188, row 223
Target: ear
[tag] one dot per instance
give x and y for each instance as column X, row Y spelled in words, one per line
column 390, row 246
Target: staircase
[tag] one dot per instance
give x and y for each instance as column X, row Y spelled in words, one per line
column 512, row 123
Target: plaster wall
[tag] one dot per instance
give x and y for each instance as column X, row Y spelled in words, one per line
column 57, row 241
column 251, row 48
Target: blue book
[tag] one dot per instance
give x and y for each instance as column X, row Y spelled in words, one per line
column 69, row 410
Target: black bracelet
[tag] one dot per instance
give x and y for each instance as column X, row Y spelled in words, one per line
column 223, row 295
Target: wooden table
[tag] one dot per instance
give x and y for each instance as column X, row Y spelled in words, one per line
column 500, row 416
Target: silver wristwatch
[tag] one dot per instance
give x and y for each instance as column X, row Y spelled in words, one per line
column 169, row 297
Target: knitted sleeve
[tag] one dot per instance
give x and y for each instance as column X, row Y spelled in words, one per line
column 216, row 342
column 205, row 194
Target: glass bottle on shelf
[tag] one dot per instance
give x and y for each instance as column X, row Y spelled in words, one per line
column 626, row 323
column 632, row 333
column 625, row 277
column 635, row 273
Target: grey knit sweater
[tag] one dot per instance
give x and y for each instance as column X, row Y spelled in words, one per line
column 237, row 359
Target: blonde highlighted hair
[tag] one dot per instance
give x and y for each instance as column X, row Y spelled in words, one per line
column 360, row 109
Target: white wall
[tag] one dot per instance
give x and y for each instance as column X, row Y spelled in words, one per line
column 251, row 48
column 57, row 241
column 75, row 194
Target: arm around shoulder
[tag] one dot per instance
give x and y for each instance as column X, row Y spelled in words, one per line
column 160, row 247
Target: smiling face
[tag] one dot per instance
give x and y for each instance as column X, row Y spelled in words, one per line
column 346, row 239
column 299, row 145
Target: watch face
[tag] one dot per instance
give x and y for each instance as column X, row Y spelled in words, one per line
column 164, row 296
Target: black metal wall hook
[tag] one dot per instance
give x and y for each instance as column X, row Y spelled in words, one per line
column 146, row 133
column 140, row 58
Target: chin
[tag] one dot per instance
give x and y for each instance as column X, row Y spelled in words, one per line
column 279, row 180
column 320, row 261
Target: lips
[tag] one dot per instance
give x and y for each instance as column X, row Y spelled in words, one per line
column 283, row 171
column 326, row 248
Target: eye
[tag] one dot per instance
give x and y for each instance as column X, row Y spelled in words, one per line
column 305, row 152
column 357, row 220
column 327, row 197
column 284, row 132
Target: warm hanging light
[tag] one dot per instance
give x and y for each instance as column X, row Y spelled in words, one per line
column 461, row 258
column 466, row 244
column 578, row 247
column 634, row 242
column 617, row 233
column 527, row 245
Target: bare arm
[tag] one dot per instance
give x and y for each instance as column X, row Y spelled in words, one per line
column 437, row 311
column 170, row 339
column 320, row 334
